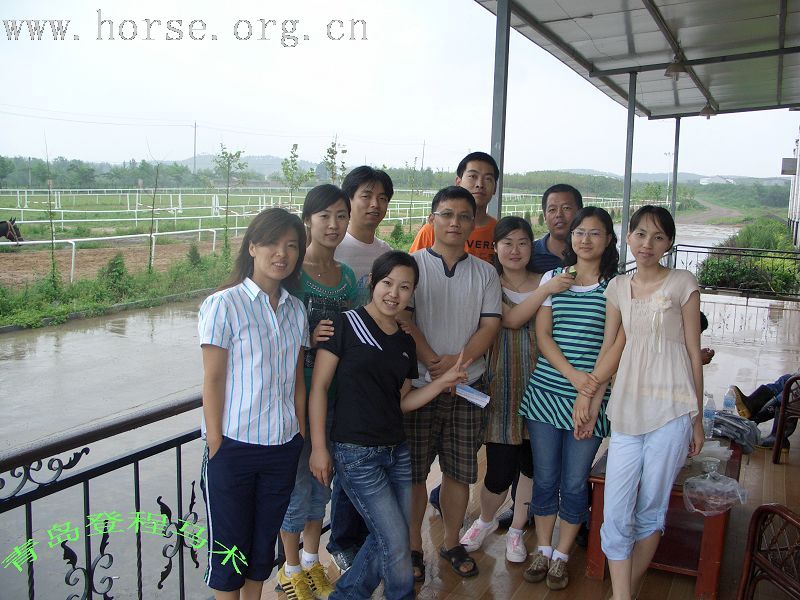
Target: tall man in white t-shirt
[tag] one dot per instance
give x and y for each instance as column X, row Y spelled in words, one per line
column 369, row 191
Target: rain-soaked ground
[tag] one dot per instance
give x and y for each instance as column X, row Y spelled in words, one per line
column 89, row 369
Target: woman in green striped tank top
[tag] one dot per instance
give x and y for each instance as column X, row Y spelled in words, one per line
column 569, row 334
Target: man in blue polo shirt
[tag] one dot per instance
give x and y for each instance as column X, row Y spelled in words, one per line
column 560, row 202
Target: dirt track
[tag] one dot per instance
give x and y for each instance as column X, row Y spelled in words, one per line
column 28, row 264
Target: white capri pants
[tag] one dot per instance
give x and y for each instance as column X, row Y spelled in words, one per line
column 640, row 472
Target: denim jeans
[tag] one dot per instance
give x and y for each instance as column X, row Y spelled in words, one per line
column 777, row 386
column 561, row 466
column 309, row 497
column 378, row 481
column 348, row 530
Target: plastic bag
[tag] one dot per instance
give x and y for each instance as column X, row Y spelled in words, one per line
column 713, row 449
column 712, row 494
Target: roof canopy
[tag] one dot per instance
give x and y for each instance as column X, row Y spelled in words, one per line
column 738, row 55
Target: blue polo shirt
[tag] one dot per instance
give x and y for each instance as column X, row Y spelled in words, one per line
column 263, row 345
column 543, row 259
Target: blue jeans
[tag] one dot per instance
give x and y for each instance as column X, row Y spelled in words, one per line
column 561, row 466
column 777, row 387
column 378, row 481
column 309, row 497
column 348, row 530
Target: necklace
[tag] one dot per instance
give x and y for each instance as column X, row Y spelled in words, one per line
column 316, row 270
column 581, row 280
column 514, row 286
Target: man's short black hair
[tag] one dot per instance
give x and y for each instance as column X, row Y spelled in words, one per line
column 480, row 157
column 454, row 192
column 365, row 174
column 562, row 187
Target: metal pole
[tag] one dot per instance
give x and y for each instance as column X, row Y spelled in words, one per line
column 500, row 98
column 626, row 186
column 673, row 199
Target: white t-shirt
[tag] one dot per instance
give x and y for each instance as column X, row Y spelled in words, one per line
column 573, row 288
column 359, row 256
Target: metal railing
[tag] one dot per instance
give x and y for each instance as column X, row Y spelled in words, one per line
column 23, row 472
column 34, row 473
column 743, row 271
column 746, row 272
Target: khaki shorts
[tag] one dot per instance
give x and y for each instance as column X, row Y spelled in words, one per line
column 451, row 428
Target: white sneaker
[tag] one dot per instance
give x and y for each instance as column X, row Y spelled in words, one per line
column 472, row 540
column 516, row 551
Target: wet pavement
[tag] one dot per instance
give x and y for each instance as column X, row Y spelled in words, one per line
column 89, row 369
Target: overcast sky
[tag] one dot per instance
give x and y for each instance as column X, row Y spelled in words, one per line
column 424, row 74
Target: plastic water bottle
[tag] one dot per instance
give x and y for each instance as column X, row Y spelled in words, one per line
column 709, row 410
column 729, row 402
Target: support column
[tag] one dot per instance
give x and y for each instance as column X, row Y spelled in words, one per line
column 673, row 206
column 500, row 97
column 626, row 186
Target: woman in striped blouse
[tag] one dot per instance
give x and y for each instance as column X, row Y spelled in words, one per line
column 569, row 333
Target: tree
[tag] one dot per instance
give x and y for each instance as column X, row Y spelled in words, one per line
column 6, row 168
column 294, row 175
column 332, row 152
column 228, row 165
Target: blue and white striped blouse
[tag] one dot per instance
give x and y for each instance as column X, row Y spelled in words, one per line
column 262, row 346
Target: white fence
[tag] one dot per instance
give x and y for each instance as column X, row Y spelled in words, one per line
column 74, row 242
column 247, row 206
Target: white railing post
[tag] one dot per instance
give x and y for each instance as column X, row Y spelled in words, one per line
column 72, row 263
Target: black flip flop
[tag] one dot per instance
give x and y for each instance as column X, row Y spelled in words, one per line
column 458, row 556
column 418, row 563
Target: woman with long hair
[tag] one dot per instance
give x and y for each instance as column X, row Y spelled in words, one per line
column 326, row 287
column 252, row 333
column 569, row 333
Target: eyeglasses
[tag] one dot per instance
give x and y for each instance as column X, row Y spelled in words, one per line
column 594, row 234
column 448, row 215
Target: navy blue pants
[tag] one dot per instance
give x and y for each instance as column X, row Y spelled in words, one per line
column 246, row 488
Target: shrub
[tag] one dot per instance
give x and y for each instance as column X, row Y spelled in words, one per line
column 194, row 255
column 115, row 277
column 744, row 273
column 397, row 234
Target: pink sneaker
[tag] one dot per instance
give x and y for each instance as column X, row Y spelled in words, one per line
column 516, row 551
column 472, row 540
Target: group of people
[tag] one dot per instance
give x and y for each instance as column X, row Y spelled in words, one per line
column 333, row 369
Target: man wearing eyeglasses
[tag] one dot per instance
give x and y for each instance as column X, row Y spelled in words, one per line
column 478, row 173
column 560, row 202
column 456, row 308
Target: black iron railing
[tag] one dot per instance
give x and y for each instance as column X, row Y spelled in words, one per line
column 31, row 474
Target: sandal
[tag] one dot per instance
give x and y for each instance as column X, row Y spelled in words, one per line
column 457, row 556
column 418, row 564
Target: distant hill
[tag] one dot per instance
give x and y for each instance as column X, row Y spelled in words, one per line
column 266, row 165
column 682, row 177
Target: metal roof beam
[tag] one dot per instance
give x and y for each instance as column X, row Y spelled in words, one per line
column 728, row 111
column 781, row 44
column 548, row 34
column 711, row 60
column 677, row 50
